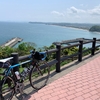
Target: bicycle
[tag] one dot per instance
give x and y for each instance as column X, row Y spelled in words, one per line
column 11, row 83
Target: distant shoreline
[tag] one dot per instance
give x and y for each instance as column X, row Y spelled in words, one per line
column 81, row 26
column 76, row 28
column 73, row 27
column 82, row 29
column 84, row 26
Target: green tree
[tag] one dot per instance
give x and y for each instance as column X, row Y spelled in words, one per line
column 25, row 47
column 6, row 51
column 95, row 28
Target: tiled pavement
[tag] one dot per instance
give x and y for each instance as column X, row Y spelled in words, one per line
column 82, row 83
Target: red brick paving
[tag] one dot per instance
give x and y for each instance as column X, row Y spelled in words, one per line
column 80, row 84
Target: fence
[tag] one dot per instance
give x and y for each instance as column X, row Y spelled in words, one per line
column 77, row 42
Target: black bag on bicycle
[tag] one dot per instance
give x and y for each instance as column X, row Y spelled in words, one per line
column 38, row 56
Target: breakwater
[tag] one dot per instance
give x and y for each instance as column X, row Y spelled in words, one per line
column 12, row 42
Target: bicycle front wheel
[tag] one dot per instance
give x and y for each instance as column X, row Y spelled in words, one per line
column 6, row 88
column 39, row 75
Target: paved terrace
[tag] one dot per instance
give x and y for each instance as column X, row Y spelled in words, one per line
column 76, row 81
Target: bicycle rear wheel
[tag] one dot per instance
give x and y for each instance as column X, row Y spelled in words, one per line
column 39, row 75
column 6, row 88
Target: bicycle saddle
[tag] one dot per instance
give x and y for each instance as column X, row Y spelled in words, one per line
column 5, row 60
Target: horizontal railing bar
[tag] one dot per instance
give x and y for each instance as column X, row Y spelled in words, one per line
column 66, row 57
column 52, row 62
column 51, row 51
column 97, row 46
column 86, row 50
column 49, row 64
column 87, row 42
column 69, row 46
column 69, row 41
column 98, row 40
column 26, row 57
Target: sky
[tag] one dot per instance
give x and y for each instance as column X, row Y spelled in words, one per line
column 69, row 11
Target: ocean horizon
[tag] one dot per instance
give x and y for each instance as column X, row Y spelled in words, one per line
column 41, row 34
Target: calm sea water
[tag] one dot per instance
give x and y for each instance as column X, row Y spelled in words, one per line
column 41, row 34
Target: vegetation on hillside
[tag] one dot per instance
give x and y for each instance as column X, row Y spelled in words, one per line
column 95, row 28
column 25, row 48
column 22, row 49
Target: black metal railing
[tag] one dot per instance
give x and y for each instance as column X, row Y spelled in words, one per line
column 57, row 50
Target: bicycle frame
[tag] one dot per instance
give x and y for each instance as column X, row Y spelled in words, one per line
column 7, row 71
column 17, row 77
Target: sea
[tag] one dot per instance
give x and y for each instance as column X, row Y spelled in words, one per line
column 41, row 34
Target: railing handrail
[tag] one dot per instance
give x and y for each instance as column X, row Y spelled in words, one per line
column 58, row 49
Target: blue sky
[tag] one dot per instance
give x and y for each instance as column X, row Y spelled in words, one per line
column 73, row 11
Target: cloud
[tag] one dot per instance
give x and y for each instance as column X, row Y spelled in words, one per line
column 74, row 14
column 71, row 10
column 95, row 11
column 57, row 13
column 75, row 10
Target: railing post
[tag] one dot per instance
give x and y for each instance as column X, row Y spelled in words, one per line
column 15, row 61
column 58, row 46
column 80, row 51
column 93, row 46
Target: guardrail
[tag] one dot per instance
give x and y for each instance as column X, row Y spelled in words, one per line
column 58, row 49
